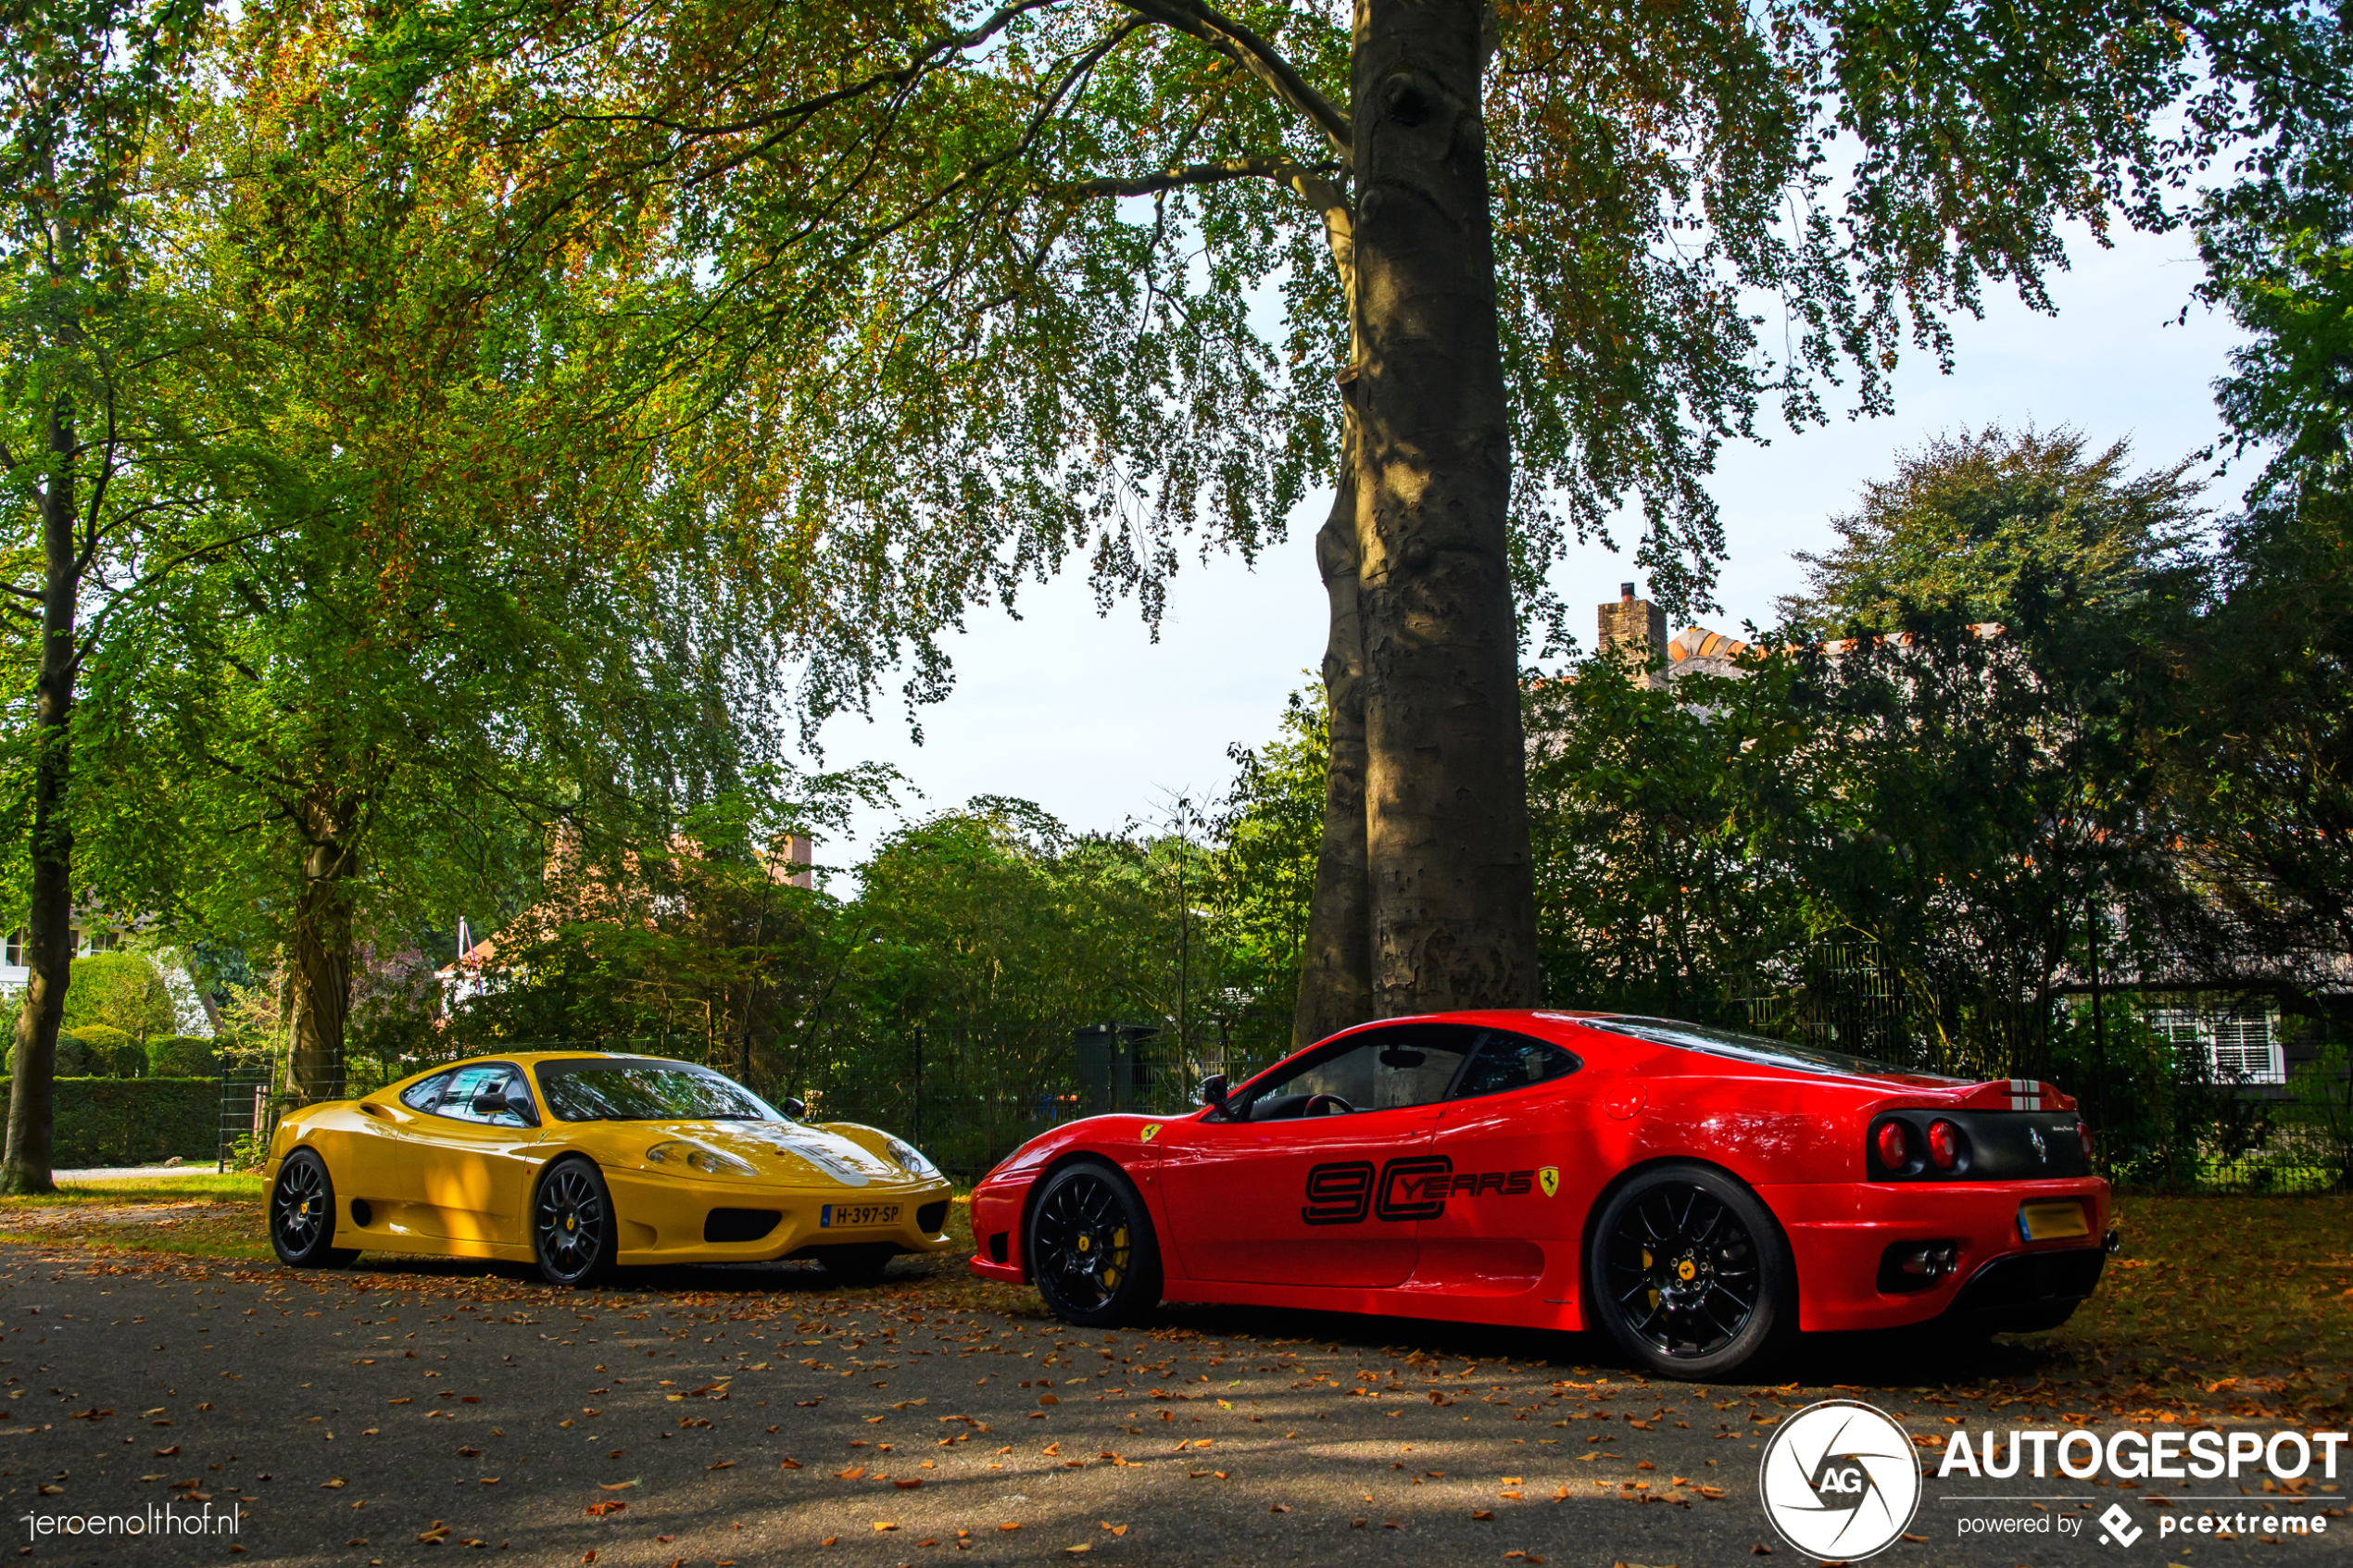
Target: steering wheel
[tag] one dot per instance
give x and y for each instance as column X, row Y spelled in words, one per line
column 1325, row 1105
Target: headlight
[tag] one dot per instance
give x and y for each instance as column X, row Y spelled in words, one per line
column 709, row 1161
column 911, row 1159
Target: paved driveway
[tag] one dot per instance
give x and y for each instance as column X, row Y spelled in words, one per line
column 757, row 1415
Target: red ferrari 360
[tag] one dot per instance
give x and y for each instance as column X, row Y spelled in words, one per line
column 1694, row 1193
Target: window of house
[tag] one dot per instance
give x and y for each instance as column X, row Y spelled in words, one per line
column 2241, row 1044
column 15, row 949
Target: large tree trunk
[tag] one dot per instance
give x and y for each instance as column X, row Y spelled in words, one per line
column 318, row 995
column 49, row 921
column 1454, row 902
column 1336, row 963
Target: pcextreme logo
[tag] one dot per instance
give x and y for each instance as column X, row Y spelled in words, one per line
column 1840, row 1480
column 1414, row 1188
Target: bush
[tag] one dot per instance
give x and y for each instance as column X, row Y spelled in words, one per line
column 73, row 1057
column 133, row 1121
column 108, row 1053
column 121, row 991
column 183, row 1056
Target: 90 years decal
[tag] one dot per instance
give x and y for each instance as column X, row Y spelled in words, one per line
column 1413, row 1187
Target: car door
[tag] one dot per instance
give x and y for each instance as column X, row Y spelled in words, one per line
column 469, row 1168
column 1264, row 1193
column 1504, row 1213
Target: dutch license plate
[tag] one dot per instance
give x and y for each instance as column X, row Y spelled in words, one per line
column 856, row 1216
column 2046, row 1222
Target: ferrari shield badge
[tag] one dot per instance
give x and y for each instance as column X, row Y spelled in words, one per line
column 1151, row 1131
column 1549, row 1178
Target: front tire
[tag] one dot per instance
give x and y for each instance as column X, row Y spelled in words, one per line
column 1689, row 1274
column 574, row 1230
column 1092, row 1247
column 302, row 1215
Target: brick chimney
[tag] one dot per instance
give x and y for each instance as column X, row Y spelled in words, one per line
column 1637, row 625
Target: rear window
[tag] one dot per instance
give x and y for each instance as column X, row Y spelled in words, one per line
column 626, row 1089
column 1754, row 1048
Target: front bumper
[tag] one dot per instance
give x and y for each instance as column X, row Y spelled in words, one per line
column 1841, row 1234
column 996, row 1216
column 669, row 1219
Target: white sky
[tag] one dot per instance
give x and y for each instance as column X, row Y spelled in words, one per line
column 1094, row 721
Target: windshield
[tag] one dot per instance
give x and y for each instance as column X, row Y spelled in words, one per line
column 606, row 1089
column 1753, row 1047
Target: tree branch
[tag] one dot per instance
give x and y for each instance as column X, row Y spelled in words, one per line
column 1255, row 56
column 1282, row 170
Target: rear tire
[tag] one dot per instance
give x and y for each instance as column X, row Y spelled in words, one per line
column 302, row 1215
column 1092, row 1247
column 574, row 1232
column 1689, row 1272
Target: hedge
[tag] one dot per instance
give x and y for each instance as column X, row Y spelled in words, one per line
column 134, row 1120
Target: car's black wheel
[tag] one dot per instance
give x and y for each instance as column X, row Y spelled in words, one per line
column 861, row 1264
column 302, row 1215
column 1092, row 1247
column 573, row 1226
column 1689, row 1274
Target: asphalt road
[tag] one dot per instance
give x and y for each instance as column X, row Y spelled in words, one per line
column 757, row 1415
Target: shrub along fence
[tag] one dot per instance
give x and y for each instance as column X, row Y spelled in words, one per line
column 134, row 1120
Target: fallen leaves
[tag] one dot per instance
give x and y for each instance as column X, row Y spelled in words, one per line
column 609, row 1506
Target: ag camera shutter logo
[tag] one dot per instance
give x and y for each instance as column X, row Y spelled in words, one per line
column 1840, row 1480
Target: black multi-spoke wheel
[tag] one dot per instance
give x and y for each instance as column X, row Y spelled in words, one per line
column 302, row 1215
column 1688, row 1271
column 573, row 1227
column 1092, row 1247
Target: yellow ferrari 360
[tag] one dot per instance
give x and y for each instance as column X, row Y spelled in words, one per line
column 579, row 1161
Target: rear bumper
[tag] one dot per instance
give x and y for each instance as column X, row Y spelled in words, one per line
column 2027, row 1291
column 1841, row 1233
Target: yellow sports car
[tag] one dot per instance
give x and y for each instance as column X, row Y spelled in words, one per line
column 580, row 1160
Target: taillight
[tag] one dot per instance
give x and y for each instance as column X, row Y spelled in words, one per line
column 1943, row 1144
column 1895, row 1145
column 2083, row 1130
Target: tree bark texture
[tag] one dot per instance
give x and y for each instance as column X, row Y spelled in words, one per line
column 1454, row 904
column 49, row 920
column 1336, row 965
column 318, row 995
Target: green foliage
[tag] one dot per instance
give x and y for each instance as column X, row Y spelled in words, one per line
column 1669, row 825
column 1268, row 832
column 1990, row 521
column 134, row 1121
column 120, row 993
column 183, row 1056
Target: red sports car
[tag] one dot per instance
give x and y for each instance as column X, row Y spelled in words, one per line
column 1694, row 1192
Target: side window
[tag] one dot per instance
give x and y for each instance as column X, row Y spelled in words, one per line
column 422, row 1096
column 470, row 1084
column 1504, row 1060
column 1380, row 1070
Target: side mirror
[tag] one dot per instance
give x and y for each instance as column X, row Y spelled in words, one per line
column 1212, row 1089
column 794, row 1109
column 490, row 1104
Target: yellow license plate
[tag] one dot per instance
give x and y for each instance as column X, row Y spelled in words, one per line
column 857, row 1216
column 2046, row 1222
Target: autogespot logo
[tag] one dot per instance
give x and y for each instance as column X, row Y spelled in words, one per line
column 1840, row 1480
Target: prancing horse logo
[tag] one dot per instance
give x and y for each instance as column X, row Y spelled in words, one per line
column 1549, row 1178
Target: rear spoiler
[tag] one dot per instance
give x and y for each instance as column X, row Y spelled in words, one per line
column 2015, row 1094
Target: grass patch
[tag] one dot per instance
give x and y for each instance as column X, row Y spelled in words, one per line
column 204, row 1213
column 2250, row 1295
